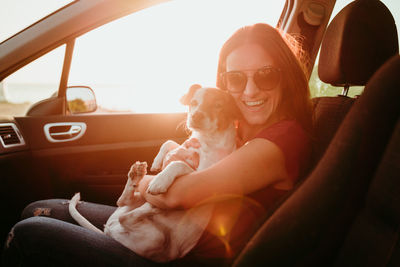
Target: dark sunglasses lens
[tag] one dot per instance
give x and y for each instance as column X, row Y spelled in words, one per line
column 235, row 81
column 267, row 78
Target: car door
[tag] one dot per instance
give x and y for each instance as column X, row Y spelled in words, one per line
column 96, row 164
column 90, row 151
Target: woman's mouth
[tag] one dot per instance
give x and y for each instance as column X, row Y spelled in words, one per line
column 252, row 104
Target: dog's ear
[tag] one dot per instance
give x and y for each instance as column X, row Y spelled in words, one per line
column 185, row 100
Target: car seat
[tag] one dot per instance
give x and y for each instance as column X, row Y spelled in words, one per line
column 353, row 48
column 310, row 227
column 374, row 237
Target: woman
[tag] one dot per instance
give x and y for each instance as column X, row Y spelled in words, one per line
column 258, row 67
column 261, row 68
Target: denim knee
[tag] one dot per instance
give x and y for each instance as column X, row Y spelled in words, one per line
column 14, row 252
column 43, row 241
column 54, row 208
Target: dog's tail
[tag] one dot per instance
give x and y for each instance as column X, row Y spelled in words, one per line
column 78, row 217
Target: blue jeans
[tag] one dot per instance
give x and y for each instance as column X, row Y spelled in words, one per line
column 48, row 236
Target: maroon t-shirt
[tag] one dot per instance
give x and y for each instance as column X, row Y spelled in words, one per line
column 225, row 237
column 293, row 141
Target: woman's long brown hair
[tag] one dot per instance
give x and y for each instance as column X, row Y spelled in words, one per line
column 290, row 58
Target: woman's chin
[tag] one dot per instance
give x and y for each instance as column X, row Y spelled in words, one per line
column 257, row 117
column 253, row 120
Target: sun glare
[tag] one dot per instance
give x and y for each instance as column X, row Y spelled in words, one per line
column 146, row 61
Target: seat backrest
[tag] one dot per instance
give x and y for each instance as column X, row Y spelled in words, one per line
column 375, row 234
column 357, row 42
column 353, row 48
column 329, row 113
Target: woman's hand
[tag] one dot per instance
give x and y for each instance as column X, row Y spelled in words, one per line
column 184, row 153
column 159, row 200
column 144, row 183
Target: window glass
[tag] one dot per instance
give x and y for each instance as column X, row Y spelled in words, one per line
column 319, row 88
column 146, row 61
column 394, row 7
column 34, row 82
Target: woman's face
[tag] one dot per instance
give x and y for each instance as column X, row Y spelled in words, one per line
column 257, row 106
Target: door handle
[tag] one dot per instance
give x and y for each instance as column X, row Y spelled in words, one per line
column 64, row 131
column 73, row 130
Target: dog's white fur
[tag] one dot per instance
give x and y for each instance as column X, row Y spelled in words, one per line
column 164, row 235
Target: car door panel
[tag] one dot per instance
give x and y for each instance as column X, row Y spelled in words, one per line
column 96, row 164
column 14, row 189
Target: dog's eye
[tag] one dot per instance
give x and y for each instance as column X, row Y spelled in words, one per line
column 193, row 103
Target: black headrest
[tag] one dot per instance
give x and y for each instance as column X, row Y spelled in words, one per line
column 357, row 42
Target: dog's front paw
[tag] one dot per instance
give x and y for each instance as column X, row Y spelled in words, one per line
column 156, row 166
column 159, row 159
column 157, row 186
column 138, row 169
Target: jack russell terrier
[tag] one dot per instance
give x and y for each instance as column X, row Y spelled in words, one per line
column 165, row 235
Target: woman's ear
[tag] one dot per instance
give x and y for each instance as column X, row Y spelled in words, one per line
column 185, row 100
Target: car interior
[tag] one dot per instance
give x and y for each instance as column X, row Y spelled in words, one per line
column 343, row 212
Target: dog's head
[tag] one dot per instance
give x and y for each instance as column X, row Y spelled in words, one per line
column 210, row 109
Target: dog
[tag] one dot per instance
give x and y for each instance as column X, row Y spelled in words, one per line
column 165, row 235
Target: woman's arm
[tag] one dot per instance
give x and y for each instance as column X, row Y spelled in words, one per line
column 252, row 167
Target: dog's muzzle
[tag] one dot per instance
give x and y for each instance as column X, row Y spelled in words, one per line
column 196, row 120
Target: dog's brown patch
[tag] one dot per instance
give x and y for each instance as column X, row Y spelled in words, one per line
column 42, row 212
column 220, row 105
column 185, row 100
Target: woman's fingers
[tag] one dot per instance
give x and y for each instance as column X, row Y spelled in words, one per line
column 182, row 154
column 192, row 142
column 144, row 183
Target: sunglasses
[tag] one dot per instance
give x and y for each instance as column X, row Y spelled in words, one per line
column 266, row 79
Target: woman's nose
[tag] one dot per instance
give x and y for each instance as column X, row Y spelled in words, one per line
column 251, row 88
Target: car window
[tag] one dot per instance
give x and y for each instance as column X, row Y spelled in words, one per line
column 319, row 88
column 34, row 82
column 145, row 62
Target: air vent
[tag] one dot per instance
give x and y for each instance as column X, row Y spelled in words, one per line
column 10, row 136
